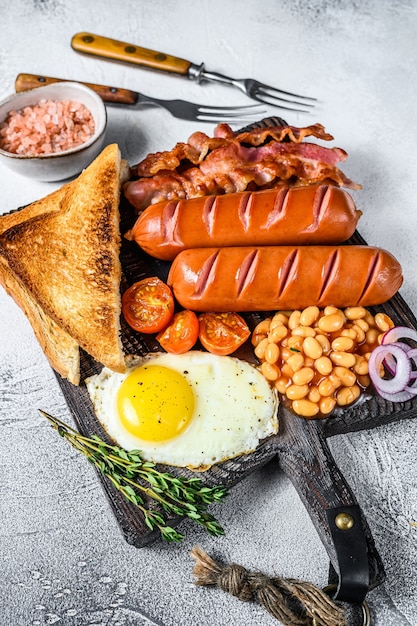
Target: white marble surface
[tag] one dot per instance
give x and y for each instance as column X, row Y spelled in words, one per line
column 63, row 559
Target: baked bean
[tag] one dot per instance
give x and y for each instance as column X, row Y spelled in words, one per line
column 331, row 310
column 326, row 405
column 346, row 376
column 296, row 361
column 360, row 333
column 271, row 353
column 270, row 371
column 287, row 370
column 348, row 332
column 347, row 359
column 343, row 344
column 362, row 324
column 296, row 392
column 312, row 348
column 278, row 333
column 364, row 380
column 305, row 407
column 335, row 380
column 257, row 338
column 372, row 336
column 309, row 315
column 314, row 394
column 319, row 359
column 330, row 323
column 263, row 326
column 286, row 353
column 369, row 318
column 347, row 395
column 324, row 342
column 326, row 387
column 279, row 317
column 276, row 321
column 294, row 319
column 323, row 365
column 304, row 331
column 303, row 376
column 361, row 366
column 295, row 343
column 383, row 322
column 281, row 384
column 355, row 312
column 261, row 347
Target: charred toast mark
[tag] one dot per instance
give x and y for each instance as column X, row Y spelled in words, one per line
column 207, row 274
column 329, row 273
column 287, row 271
column 247, row 271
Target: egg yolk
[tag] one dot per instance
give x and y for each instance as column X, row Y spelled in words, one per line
column 155, row 403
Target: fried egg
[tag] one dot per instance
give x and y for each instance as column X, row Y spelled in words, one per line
column 189, row 410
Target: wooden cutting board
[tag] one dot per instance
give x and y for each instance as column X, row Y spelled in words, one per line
column 300, row 447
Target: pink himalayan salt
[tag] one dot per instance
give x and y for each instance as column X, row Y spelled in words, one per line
column 46, row 128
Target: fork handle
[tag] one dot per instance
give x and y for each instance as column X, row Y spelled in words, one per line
column 115, row 95
column 129, row 53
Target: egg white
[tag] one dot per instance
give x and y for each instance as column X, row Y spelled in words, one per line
column 234, row 409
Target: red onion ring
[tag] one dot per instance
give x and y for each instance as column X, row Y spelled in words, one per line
column 399, row 332
column 389, row 360
column 395, row 357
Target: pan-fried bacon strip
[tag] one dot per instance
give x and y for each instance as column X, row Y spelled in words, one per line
column 258, row 136
column 228, row 162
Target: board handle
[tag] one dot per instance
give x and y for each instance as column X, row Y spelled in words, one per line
column 306, row 459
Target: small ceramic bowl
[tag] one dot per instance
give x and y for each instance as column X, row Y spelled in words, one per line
column 68, row 163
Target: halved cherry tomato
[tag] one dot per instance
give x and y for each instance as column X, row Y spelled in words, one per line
column 222, row 333
column 148, row 305
column 181, row 333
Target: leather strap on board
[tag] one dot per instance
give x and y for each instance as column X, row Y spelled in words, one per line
column 351, row 573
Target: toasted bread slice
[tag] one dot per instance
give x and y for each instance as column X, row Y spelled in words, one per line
column 65, row 256
column 60, row 348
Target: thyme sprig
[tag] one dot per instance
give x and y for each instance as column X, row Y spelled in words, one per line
column 135, row 478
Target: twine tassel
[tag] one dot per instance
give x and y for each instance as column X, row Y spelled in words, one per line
column 292, row 602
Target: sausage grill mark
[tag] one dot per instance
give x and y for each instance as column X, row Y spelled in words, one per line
column 320, row 205
column 280, row 206
column 209, row 213
column 207, row 274
column 329, row 273
column 244, row 211
column 169, row 222
column 288, row 271
column 377, row 261
column 247, row 271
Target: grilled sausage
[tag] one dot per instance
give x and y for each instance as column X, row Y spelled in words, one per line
column 283, row 277
column 319, row 214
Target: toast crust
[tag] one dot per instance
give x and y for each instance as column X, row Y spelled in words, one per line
column 61, row 350
column 60, row 262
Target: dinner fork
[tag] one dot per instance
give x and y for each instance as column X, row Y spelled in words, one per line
column 105, row 47
column 178, row 108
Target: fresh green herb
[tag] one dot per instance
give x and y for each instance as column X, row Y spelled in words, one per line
column 134, row 477
column 295, row 350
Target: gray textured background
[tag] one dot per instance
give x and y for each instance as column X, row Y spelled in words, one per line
column 63, row 559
